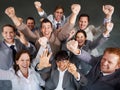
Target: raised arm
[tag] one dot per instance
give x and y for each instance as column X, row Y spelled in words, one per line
column 39, row 9
column 103, row 37
column 10, row 11
column 72, row 46
column 65, row 30
column 108, row 11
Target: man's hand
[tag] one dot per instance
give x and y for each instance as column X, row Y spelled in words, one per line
column 75, row 8
column 108, row 10
column 10, row 11
column 44, row 60
column 43, row 41
column 72, row 46
column 73, row 70
column 37, row 4
column 22, row 38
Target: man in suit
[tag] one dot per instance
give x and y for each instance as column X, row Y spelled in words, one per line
column 10, row 46
column 54, row 37
column 105, row 72
column 58, row 19
column 61, row 74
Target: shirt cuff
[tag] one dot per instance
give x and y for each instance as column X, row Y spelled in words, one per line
column 106, row 36
column 78, row 79
column 28, row 44
column 107, row 20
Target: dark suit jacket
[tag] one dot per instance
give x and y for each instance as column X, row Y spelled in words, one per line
column 6, row 56
column 94, row 78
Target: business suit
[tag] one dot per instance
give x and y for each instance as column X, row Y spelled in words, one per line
column 69, row 82
column 88, row 46
column 52, row 19
column 55, row 39
column 94, row 78
column 6, row 54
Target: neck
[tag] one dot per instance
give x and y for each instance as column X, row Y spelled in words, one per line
column 25, row 74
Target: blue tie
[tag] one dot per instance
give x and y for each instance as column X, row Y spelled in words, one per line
column 57, row 25
column 13, row 51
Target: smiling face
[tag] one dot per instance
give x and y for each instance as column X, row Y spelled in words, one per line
column 8, row 34
column 62, row 64
column 46, row 29
column 83, row 22
column 80, row 38
column 24, row 62
column 109, row 63
column 30, row 23
column 58, row 14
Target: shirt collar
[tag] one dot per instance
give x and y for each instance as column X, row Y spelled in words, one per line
column 21, row 75
column 57, row 22
column 62, row 71
column 9, row 44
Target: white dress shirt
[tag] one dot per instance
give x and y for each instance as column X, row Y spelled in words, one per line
column 61, row 76
column 33, row 82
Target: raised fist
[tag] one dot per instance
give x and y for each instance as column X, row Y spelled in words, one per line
column 72, row 45
column 43, row 41
column 10, row 11
column 37, row 4
column 75, row 8
column 108, row 10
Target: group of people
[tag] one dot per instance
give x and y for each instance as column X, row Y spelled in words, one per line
column 58, row 55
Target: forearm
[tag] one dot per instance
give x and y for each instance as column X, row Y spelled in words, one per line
column 84, row 56
column 97, row 42
column 16, row 21
column 29, row 35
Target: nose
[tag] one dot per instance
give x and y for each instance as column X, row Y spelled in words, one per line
column 8, row 34
column 105, row 62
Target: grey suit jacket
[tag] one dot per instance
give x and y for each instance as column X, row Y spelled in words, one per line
column 5, row 85
column 69, row 82
column 88, row 46
column 6, row 56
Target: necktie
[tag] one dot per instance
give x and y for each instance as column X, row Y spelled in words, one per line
column 100, row 74
column 13, row 51
column 57, row 25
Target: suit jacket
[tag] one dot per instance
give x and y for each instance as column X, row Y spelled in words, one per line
column 88, row 46
column 6, row 54
column 56, row 36
column 51, row 76
column 94, row 78
column 52, row 19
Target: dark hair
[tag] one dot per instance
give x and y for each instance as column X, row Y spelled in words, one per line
column 81, row 31
column 84, row 15
column 9, row 25
column 31, row 18
column 45, row 20
column 18, row 55
column 59, row 7
column 61, row 55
